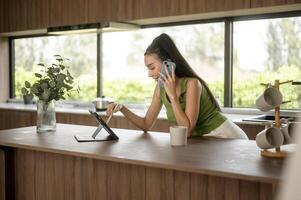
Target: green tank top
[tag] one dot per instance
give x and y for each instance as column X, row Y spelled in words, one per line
column 209, row 117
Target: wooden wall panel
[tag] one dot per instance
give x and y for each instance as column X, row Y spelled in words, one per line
column 54, row 176
column 2, row 175
column 249, row 190
column 159, row 184
column 19, row 15
column 251, row 130
column 3, row 16
column 231, row 189
column 151, row 9
column 114, row 10
column 216, row 188
column 293, row 1
column 265, row 191
column 68, row 12
column 16, row 15
column 181, row 185
column 125, row 10
column 118, row 181
column 267, row 3
column 99, row 10
column 38, row 14
column 138, row 182
column 198, row 186
column 237, row 4
column 203, row 6
column 15, row 119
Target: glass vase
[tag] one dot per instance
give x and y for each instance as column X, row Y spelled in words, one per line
column 46, row 120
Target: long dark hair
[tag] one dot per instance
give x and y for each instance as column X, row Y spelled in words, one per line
column 165, row 48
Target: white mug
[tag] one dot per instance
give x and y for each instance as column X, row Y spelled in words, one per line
column 288, row 131
column 269, row 99
column 271, row 137
column 178, row 135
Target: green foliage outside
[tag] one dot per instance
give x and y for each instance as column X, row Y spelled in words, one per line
column 128, row 91
column 246, row 90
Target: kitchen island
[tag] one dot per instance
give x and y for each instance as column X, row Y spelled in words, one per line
column 137, row 166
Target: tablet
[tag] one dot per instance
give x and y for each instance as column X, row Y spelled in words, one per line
column 102, row 128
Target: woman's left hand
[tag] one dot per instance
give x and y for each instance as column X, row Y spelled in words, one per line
column 169, row 82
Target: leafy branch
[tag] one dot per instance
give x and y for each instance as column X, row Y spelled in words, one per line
column 53, row 82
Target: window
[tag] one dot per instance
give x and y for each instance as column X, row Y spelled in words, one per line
column 80, row 49
column 265, row 50
column 125, row 75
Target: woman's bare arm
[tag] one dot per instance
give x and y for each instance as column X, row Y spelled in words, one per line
column 145, row 123
column 188, row 117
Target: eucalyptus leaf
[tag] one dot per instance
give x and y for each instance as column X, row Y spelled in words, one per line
column 61, row 77
column 44, row 85
column 70, row 81
column 38, row 75
column 56, row 70
column 52, row 84
column 27, row 84
column 24, row 91
column 62, row 67
column 60, row 84
column 34, row 89
column 46, row 94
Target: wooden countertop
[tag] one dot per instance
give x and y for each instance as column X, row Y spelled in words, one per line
column 228, row 158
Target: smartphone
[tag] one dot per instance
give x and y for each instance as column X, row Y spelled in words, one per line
column 169, row 64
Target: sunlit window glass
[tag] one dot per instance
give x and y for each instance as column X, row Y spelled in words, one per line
column 125, row 75
column 266, row 50
column 80, row 49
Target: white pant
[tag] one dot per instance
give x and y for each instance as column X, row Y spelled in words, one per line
column 228, row 130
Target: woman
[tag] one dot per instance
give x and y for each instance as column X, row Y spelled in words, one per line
column 187, row 98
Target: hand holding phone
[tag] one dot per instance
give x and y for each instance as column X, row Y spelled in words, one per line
column 169, row 65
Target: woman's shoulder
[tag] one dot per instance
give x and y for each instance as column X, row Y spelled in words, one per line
column 191, row 81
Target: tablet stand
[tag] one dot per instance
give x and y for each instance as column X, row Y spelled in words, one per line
column 96, row 137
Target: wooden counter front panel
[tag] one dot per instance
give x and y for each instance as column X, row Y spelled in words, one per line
column 54, row 176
